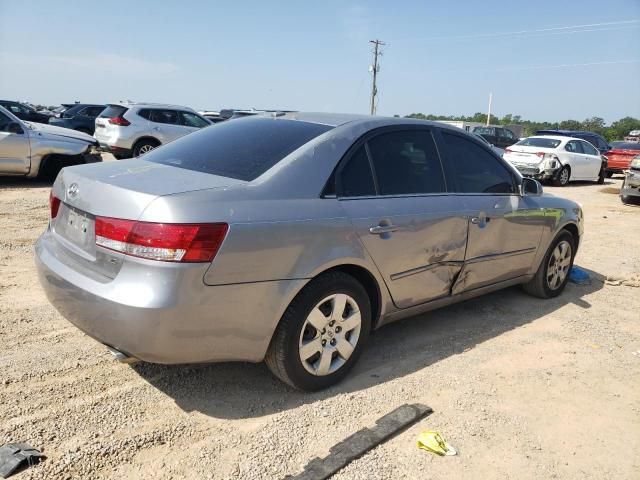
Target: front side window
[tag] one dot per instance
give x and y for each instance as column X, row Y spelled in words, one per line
column 406, row 162
column 193, row 120
column 505, row 133
column 356, row 178
column 475, row 169
column 589, row 149
column 4, row 122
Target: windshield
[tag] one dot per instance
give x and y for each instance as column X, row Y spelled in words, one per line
column 540, row 142
column 243, row 149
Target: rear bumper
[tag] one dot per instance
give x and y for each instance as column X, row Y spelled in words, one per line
column 119, row 151
column 165, row 313
column 534, row 172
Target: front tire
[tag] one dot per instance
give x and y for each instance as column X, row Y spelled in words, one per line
column 562, row 178
column 553, row 274
column 322, row 333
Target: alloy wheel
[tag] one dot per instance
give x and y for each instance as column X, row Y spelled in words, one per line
column 146, row 148
column 558, row 266
column 330, row 334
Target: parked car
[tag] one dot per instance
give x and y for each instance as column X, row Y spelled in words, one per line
column 133, row 129
column 593, row 138
column 81, row 117
column 212, row 116
column 38, row 150
column 630, row 191
column 293, row 246
column 24, row 112
column 620, row 156
column 498, row 150
column 559, row 159
column 497, row 136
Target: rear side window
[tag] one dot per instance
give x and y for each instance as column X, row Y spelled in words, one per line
column 356, row 178
column 170, row 117
column 406, row 162
column 93, row 111
column 573, row 146
column 475, row 170
column 242, row 149
column 113, row 111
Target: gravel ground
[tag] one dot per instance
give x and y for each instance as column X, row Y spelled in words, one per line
column 523, row 388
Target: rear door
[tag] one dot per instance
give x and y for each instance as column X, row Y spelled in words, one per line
column 504, row 228
column 166, row 125
column 15, row 150
column 392, row 187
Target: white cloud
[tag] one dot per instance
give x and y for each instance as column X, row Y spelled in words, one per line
column 100, row 63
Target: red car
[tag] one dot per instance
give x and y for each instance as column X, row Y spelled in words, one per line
column 620, row 156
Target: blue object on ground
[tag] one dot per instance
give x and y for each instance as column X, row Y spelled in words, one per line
column 579, row 275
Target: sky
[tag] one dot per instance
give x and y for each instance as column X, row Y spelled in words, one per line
column 543, row 60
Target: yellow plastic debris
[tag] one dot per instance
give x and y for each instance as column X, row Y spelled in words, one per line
column 432, row 441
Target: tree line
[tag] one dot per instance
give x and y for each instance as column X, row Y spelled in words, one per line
column 616, row 131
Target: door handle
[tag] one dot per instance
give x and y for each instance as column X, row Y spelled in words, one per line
column 380, row 229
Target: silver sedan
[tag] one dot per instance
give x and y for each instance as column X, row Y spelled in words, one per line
column 288, row 238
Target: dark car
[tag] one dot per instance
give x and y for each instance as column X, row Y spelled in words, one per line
column 497, row 136
column 593, row 138
column 81, row 117
column 24, row 112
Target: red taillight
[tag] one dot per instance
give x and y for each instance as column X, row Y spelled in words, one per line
column 123, row 122
column 540, row 154
column 54, row 204
column 169, row 242
column 507, row 150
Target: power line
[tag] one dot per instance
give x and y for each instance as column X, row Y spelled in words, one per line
column 375, row 67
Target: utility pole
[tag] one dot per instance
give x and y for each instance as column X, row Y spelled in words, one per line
column 375, row 67
column 489, row 114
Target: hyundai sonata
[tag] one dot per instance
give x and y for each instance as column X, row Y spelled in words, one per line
column 289, row 238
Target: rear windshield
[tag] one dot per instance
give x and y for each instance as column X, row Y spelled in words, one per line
column 626, row 145
column 113, row 111
column 242, row 149
column 539, row 142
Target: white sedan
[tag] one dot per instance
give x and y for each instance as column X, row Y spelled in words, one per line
column 556, row 158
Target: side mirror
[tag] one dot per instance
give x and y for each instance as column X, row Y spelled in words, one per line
column 15, row 127
column 530, row 188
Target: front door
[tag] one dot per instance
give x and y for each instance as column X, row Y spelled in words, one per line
column 504, row 228
column 392, row 187
column 15, row 152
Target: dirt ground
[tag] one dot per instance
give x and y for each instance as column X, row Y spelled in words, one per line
column 523, row 388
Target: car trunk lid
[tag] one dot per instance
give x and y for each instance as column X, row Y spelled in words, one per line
column 526, row 154
column 117, row 190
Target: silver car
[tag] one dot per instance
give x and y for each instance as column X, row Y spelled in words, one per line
column 129, row 129
column 289, row 238
column 38, row 150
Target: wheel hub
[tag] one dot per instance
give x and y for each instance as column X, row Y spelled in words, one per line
column 330, row 334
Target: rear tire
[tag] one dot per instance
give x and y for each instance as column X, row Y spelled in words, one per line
column 144, row 146
column 553, row 274
column 563, row 176
column 609, row 174
column 322, row 333
column 601, row 176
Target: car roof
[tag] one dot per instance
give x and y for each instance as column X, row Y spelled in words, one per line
column 562, row 138
column 568, row 133
column 337, row 119
column 130, row 104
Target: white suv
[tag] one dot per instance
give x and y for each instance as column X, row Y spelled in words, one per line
column 133, row 129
